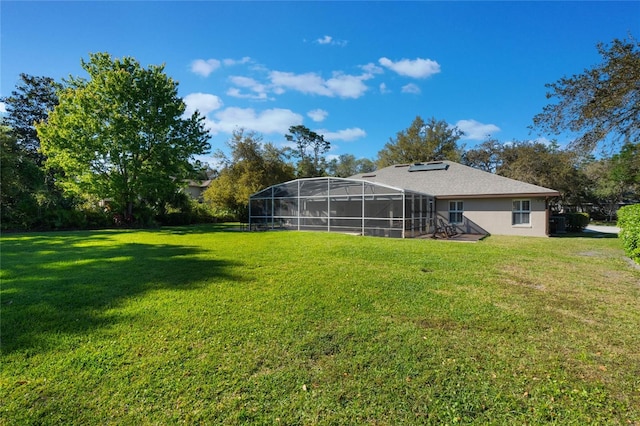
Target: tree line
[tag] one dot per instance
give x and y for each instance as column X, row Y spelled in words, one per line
column 117, row 148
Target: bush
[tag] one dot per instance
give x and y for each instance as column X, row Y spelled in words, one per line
column 190, row 214
column 97, row 218
column 202, row 213
column 576, row 222
column 629, row 223
column 223, row 215
column 19, row 214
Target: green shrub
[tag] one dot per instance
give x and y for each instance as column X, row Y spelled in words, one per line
column 20, row 214
column 629, row 223
column 202, row 213
column 97, row 218
column 190, row 214
column 576, row 222
column 223, row 214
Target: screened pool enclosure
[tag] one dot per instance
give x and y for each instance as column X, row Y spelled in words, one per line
column 342, row 205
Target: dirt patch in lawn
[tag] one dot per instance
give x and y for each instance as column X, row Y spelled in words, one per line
column 517, row 276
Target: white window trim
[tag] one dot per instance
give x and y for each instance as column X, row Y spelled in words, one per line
column 521, row 225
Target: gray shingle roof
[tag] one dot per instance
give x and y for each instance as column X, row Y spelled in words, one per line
column 456, row 181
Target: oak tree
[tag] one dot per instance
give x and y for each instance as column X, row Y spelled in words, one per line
column 121, row 135
column 434, row 140
column 487, row 156
column 602, row 104
column 547, row 166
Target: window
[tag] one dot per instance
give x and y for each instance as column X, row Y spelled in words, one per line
column 521, row 212
column 456, row 208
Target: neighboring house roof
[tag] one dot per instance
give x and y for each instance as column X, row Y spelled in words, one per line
column 447, row 179
column 199, row 183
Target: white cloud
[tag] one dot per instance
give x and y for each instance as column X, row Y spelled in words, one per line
column 231, row 62
column 347, row 86
column 204, row 67
column 259, row 90
column 278, row 90
column 475, row 130
column 341, row 85
column 318, row 115
column 324, row 40
column 274, row 120
column 372, row 68
column 306, row 83
column 3, row 107
column 236, row 93
column 411, row 88
column 331, row 41
column 343, row 135
column 246, row 82
column 418, row 68
column 384, row 89
column 203, row 102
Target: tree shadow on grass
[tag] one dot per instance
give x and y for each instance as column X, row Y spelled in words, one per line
column 59, row 284
column 586, row 234
column 206, row 228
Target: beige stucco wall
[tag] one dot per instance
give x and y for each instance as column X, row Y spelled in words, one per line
column 493, row 215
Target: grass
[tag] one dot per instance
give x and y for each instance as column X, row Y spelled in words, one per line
column 203, row 325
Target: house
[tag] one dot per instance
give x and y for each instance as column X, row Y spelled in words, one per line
column 195, row 188
column 474, row 200
column 407, row 200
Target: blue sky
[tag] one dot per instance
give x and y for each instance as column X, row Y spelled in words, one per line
column 357, row 72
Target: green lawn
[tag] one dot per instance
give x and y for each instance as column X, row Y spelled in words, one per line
column 205, row 325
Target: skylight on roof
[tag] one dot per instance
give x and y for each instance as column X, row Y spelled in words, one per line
column 425, row 167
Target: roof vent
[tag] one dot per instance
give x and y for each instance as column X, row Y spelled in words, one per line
column 439, row 165
column 366, row 176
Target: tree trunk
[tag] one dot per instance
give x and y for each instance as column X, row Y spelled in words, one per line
column 128, row 217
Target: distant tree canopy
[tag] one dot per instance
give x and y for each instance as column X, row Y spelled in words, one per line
column 310, row 149
column 433, row 140
column 20, row 182
column 545, row 165
column 29, row 197
column 348, row 165
column 30, row 103
column 252, row 166
column 602, row 104
column 121, row 135
column 533, row 162
column 626, row 169
column 487, row 156
column 614, row 180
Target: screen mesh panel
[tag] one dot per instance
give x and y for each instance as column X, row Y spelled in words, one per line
column 341, row 205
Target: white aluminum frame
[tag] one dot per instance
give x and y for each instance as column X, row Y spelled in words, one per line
column 414, row 219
